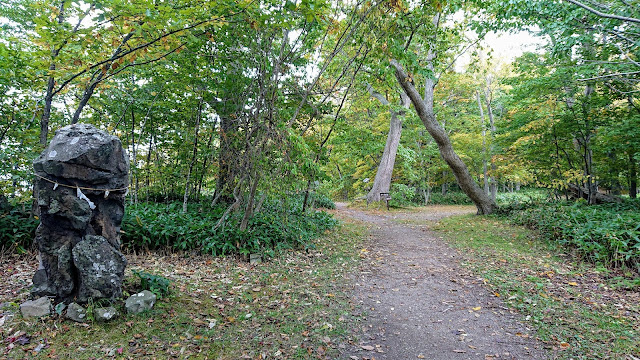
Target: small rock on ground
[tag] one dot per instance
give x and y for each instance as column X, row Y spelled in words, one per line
column 105, row 314
column 36, row 308
column 140, row 302
column 76, row 313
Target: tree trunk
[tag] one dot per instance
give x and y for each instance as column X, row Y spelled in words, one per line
column 427, row 195
column 382, row 181
column 193, row 158
column 597, row 198
column 484, row 145
column 148, row 169
column 226, row 161
column 424, row 109
column 248, row 212
column 633, row 176
column 493, row 187
column 134, row 154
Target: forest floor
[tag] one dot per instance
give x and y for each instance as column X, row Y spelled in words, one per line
column 402, row 284
column 418, row 302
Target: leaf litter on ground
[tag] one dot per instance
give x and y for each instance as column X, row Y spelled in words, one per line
column 575, row 306
column 293, row 306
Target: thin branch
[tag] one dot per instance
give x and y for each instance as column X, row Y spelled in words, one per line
column 601, row 14
column 610, row 75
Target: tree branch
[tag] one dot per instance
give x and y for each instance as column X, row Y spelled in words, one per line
column 601, row 14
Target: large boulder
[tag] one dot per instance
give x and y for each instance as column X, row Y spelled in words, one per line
column 81, row 181
column 100, row 269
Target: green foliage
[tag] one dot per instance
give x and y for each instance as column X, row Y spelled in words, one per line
column 521, row 197
column 157, row 284
column 322, row 201
column 402, row 194
column 606, row 234
column 17, row 228
column 450, row 198
column 276, row 227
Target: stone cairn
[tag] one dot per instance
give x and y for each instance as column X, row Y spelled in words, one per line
column 81, row 179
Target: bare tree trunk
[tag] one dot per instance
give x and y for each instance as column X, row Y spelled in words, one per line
column 424, row 109
column 633, row 176
column 445, row 187
column 226, row 161
column 148, row 170
column 134, row 154
column 493, row 187
column 484, row 145
column 427, row 195
column 193, row 157
column 382, row 181
column 248, row 212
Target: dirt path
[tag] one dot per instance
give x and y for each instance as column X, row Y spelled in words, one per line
column 417, row 302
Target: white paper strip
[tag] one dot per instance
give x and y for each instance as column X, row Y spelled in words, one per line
column 84, row 197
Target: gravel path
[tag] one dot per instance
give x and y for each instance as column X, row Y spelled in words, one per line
column 417, row 302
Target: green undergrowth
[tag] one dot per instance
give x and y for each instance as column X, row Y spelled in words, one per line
column 292, row 307
column 17, row 228
column 279, row 225
column 577, row 309
column 403, row 195
column 273, row 229
column 607, row 234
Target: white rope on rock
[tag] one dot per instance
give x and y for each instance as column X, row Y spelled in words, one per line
column 80, row 194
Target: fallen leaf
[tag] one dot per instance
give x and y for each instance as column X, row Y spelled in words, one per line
column 198, row 322
column 459, row 351
column 573, row 283
column 367, row 347
column 420, row 356
column 564, row 345
column 476, row 308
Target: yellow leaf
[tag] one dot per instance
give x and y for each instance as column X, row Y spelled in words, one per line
column 476, row 308
column 573, row 283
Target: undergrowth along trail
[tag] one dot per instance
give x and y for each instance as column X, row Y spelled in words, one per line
column 580, row 311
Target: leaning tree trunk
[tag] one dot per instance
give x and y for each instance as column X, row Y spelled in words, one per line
column 382, row 181
column 424, row 109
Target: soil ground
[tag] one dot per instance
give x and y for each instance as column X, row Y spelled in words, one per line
column 416, row 301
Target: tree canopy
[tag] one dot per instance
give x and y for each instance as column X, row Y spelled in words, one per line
column 238, row 101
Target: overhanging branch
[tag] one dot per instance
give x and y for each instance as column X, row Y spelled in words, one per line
column 604, row 15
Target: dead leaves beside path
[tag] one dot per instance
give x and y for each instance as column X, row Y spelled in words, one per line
column 578, row 308
column 293, row 306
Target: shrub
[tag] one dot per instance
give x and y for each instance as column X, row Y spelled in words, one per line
column 451, row 198
column 608, row 234
column 17, row 228
column 322, row 201
column 157, row 284
column 403, row 195
column 278, row 226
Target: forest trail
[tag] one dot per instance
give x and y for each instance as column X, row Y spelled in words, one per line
column 417, row 302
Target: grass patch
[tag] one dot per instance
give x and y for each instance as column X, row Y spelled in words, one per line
column 577, row 309
column 295, row 306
